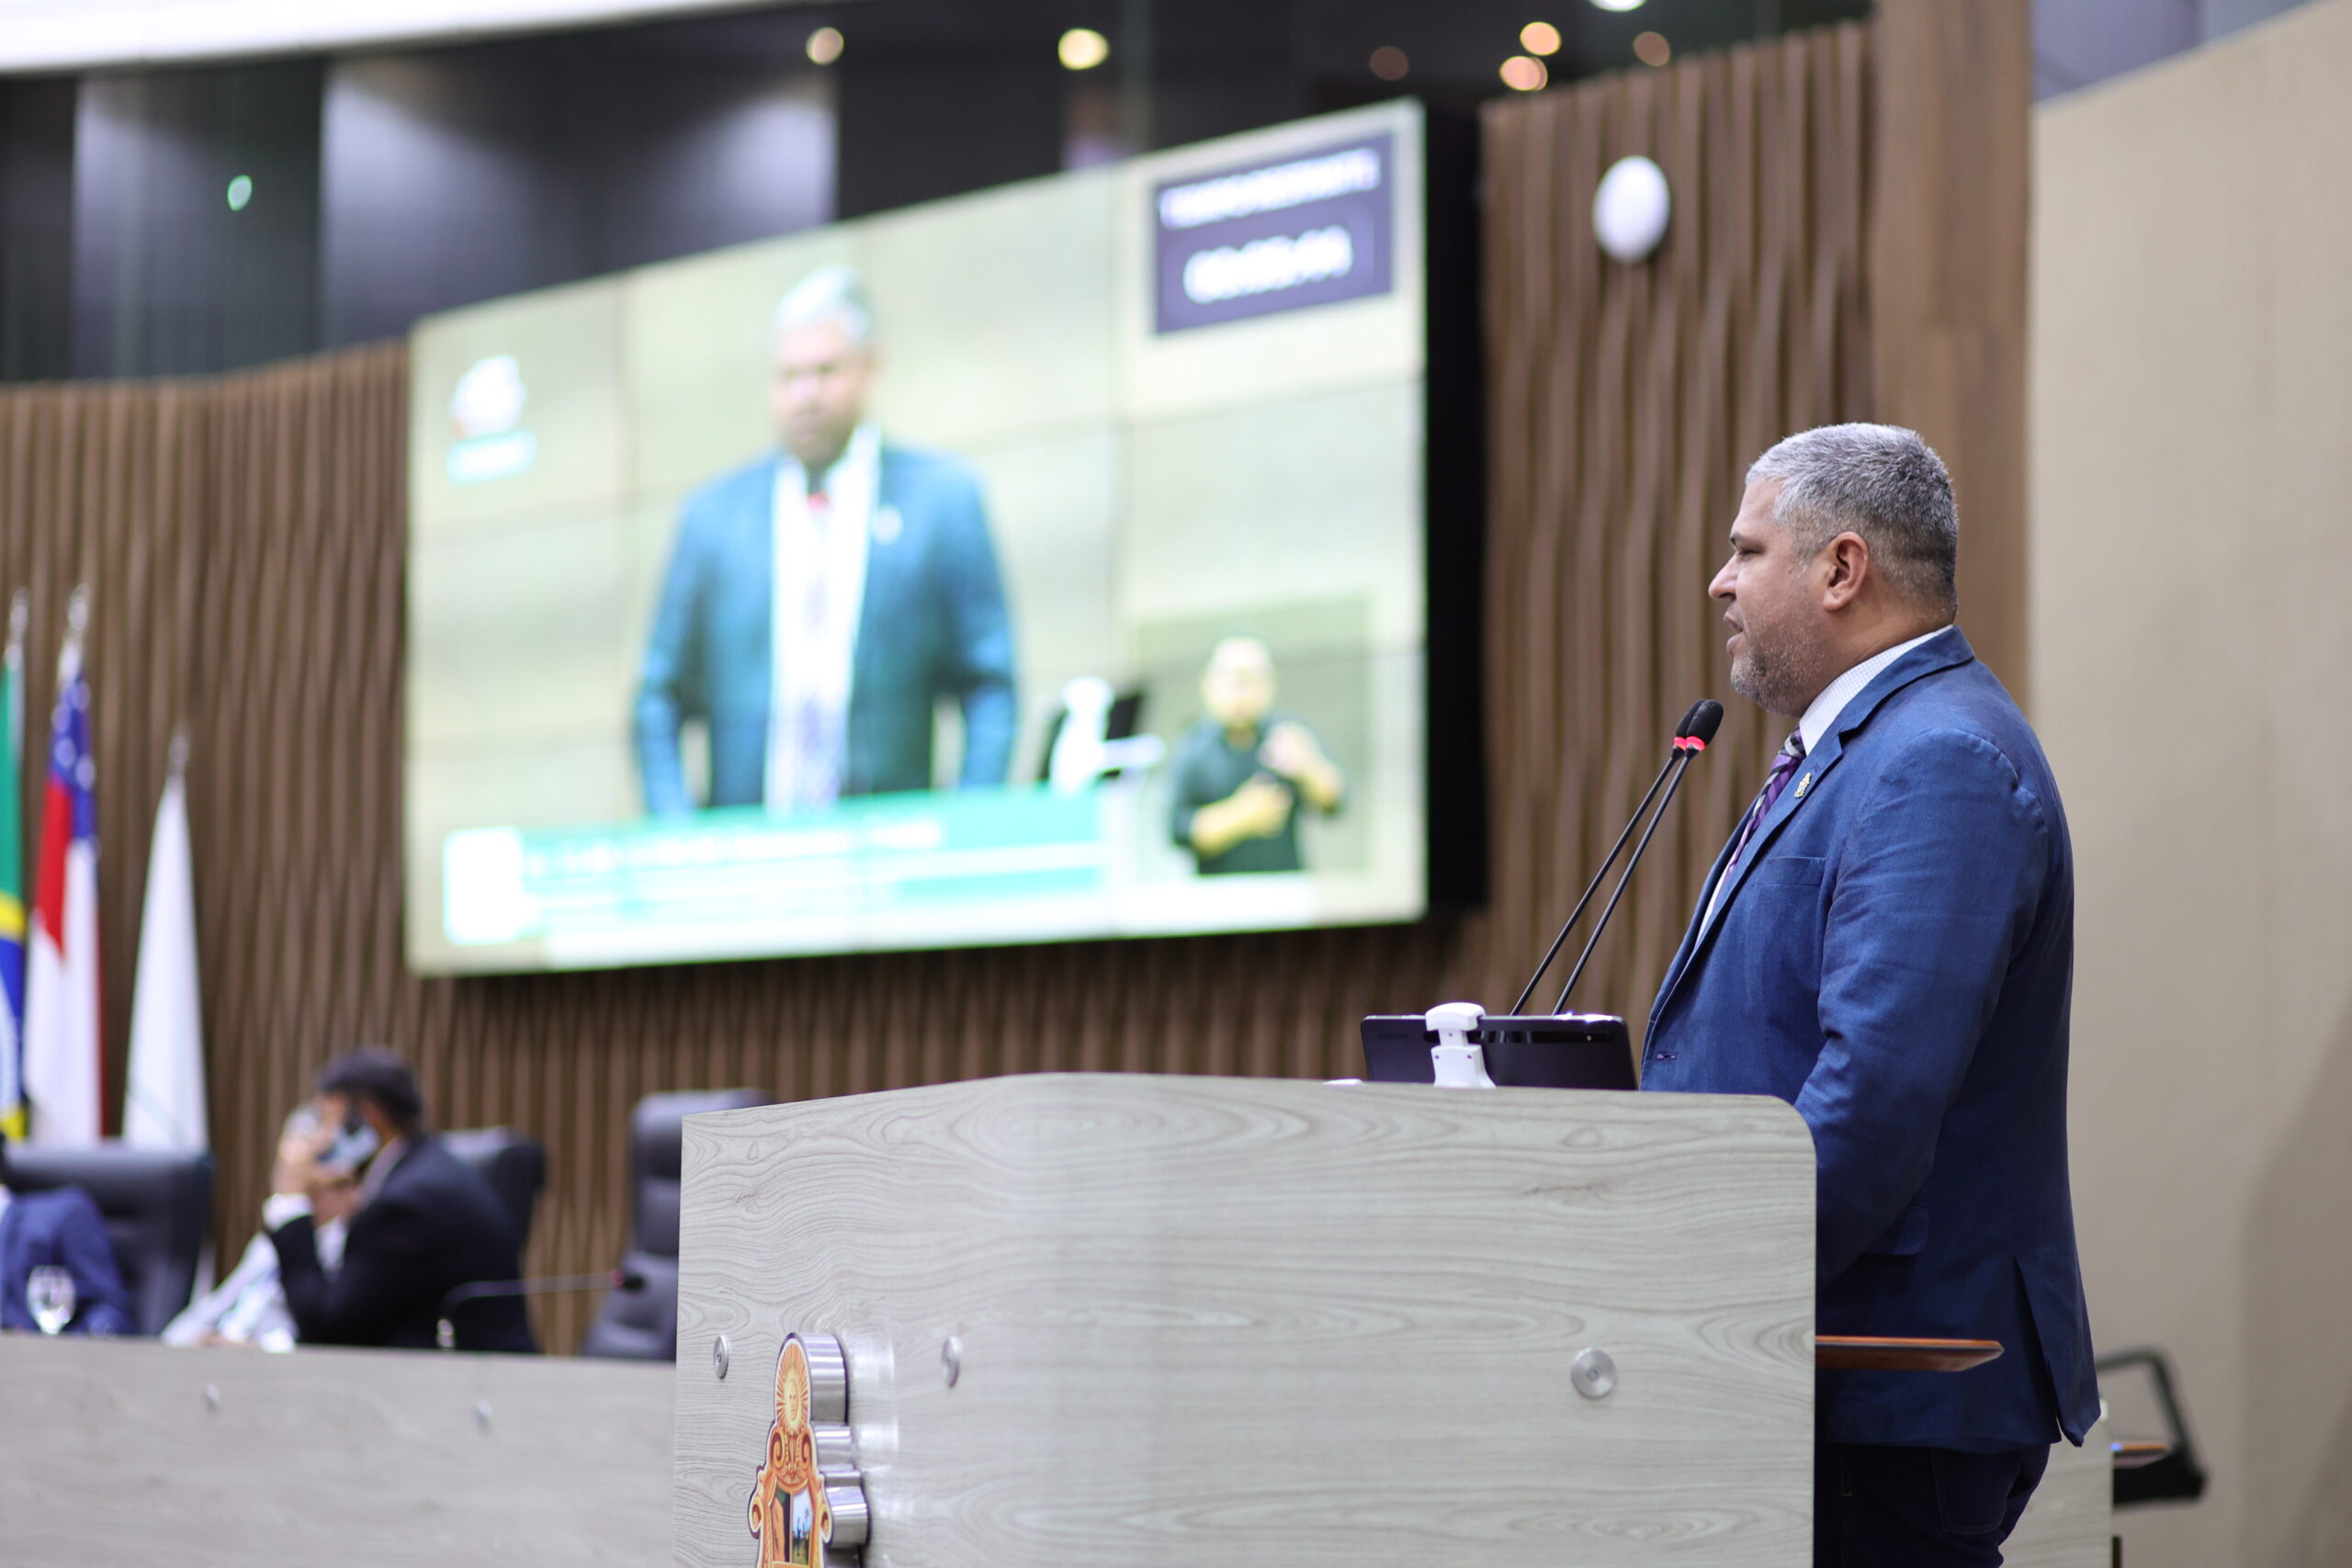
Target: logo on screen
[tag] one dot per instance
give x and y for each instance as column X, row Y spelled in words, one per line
column 1272, row 237
column 486, row 415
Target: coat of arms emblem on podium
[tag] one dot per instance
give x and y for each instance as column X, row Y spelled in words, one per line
column 789, row 1514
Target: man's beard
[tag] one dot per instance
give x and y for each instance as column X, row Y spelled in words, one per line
column 1773, row 680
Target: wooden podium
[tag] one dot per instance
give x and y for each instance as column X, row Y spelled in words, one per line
column 1137, row 1322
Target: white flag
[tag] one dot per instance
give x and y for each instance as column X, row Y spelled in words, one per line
column 163, row 1107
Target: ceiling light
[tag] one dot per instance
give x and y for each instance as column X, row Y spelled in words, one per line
column 1389, row 64
column 1084, row 48
column 1540, row 38
column 1618, row 5
column 1522, row 74
column 241, row 191
column 825, row 45
column 1651, row 49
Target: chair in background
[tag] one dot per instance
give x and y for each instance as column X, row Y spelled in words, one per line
column 513, row 1162
column 642, row 1325
column 2176, row 1477
column 157, row 1207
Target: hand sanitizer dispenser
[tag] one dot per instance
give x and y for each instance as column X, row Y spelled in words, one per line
column 1459, row 1060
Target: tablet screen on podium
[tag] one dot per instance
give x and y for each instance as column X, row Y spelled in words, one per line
column 1574, row 1051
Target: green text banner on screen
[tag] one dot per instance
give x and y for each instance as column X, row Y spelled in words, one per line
column 1111, row 433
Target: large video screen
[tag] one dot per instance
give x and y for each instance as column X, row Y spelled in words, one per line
column 1045, row 563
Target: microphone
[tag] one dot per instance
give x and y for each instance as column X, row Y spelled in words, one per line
column 1705, row 718
column 446, row 1333
column 1691, row 737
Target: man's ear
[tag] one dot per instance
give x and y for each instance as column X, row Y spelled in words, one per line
column 1847, row 566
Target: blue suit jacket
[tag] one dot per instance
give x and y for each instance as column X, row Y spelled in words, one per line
column 1894, row 956
column 62, row 1228
column 932, row 624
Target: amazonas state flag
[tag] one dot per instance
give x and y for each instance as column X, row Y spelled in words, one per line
column 62, row 988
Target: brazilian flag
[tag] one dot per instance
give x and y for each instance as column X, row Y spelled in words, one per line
column 12, row 878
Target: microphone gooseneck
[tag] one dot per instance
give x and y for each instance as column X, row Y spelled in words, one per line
column 445, row 1335
column 1699, row 724
column 1683, row 737
column 1705, row 718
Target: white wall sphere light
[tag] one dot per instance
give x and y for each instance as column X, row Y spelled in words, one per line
column 1630, row 209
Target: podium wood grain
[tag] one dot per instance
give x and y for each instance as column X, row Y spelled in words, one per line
column 110, row 1452
column 1264, row 1321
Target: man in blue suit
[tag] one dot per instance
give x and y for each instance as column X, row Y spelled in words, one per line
column 59, row 1229
column 821, row 601
column 1887, row 943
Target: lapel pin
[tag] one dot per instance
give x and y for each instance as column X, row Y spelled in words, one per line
column 1803, row 784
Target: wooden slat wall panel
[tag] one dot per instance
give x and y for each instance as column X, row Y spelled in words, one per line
column 1948, row 251
column 1626, row 403
column 243, row 540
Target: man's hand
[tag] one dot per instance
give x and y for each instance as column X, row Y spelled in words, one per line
column 298, row 1162
column 1259, row 809
column 1291, row 750
column 1262, row 807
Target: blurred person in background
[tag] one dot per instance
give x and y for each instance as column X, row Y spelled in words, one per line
column 1245, row 771
column 426, row 1222
column 821, row 601
column 58, row 1229
column 249, row 1306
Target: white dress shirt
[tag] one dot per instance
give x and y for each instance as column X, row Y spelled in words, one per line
column 1821, row 714
column 819, row 554
column 249, row 1306
column 1823, row 711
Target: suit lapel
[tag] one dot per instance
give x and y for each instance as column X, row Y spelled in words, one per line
column 749, row 563
column 884, row 593
column 1940, row 654
column 1691, row 932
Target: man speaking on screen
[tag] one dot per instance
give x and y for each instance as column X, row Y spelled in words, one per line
column 1887, row 943
column 821, row 601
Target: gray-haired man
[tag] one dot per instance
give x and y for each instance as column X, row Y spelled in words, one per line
column 1887, row 943
column 821, row 600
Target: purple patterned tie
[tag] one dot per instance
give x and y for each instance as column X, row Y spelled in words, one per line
column 1792, row 753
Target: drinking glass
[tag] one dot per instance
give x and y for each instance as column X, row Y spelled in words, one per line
column 48, row 1292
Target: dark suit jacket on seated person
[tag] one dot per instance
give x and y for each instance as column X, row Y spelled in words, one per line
column 1893, row 956
column 433, row 1225
column 933, row 622
column 62, row 1228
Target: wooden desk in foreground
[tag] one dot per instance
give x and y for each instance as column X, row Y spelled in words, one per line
column 1106, row 1321
column 1092, row 1322
column 126, row 1452
column 1118, row 1321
